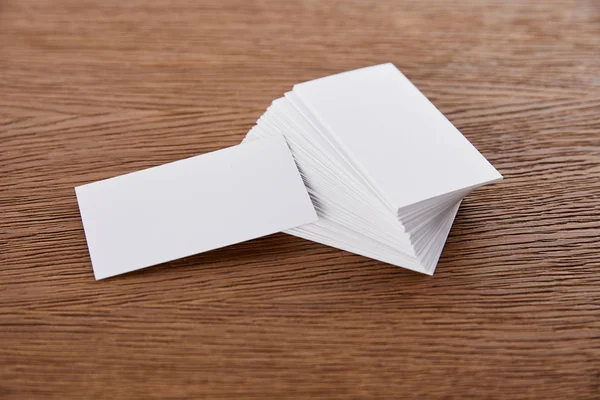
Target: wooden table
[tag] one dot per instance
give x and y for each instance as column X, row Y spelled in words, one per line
column 93, row 89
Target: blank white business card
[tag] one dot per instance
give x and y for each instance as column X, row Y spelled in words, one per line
column 194, row 205
column 393, row 135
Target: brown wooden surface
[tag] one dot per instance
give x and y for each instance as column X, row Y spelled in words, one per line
column 93, row 89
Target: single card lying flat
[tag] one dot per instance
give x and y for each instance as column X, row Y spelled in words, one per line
column 194, row 205
column 393, row 135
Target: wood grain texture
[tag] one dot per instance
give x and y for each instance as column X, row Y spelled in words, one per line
column 93, row 89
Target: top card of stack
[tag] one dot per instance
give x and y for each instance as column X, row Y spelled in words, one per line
column 385, row 169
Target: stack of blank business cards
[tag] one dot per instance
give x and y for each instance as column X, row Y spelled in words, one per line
column 361, row 161
column 385, row 170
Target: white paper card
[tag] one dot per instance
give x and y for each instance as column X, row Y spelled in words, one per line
column 394, row 135
column 194, row 205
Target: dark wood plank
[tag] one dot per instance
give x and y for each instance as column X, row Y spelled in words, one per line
column 89, row 90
